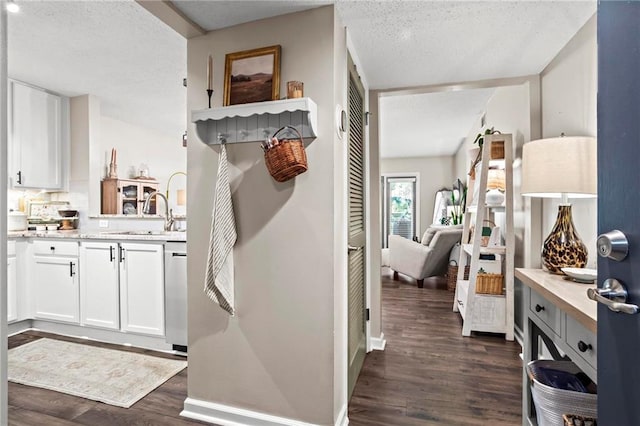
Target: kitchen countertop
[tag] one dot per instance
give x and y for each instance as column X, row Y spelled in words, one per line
column 180, row 236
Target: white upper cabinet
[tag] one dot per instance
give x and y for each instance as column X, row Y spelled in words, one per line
column 38, row 127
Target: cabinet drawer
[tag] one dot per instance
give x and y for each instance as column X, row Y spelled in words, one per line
column 583, row 341
column 546, row 312
column 55, row 247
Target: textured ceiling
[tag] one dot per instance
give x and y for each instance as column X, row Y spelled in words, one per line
column 413, row 43
column 432, row 124
column 119, row 52
column 215, row 14
column 403, row 43
column 115, row 50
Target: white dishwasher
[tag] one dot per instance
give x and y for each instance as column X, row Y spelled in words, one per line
column 175, row 275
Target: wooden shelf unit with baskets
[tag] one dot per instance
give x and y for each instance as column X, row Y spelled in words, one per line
column 126, row 196
column 485, row 299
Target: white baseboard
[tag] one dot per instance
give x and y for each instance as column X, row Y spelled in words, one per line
column 225, row 415
column 378, row 343
column 343, row 419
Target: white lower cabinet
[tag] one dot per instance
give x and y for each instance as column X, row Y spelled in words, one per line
column 109, row 285
column 99, row 288
column 55, row 283
column 142, row 288
column 122, row 286
column 12, row 279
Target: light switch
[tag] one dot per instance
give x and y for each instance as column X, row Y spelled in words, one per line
column 103, row 224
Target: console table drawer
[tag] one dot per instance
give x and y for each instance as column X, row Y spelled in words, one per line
column 547, row 312
column 583, row 341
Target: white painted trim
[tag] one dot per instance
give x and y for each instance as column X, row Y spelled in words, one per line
column 225, row 415
column 378, row 343
column 3, row 215
column 343, row 419
column 452, row 87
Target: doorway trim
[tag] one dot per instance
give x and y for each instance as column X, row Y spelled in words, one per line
column 4, row 386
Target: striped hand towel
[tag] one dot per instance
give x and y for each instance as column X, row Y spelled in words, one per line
column 219, row 275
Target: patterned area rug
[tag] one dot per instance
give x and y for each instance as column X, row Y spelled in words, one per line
column 107, row 375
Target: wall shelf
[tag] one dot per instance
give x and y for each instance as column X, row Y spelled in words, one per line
column 255, row 122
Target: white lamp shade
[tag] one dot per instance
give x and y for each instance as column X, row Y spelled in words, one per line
column 560, row 166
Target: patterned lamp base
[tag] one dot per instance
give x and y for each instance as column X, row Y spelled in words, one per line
column 563, row 247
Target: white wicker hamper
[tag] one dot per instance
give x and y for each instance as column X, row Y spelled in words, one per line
column 552, row 403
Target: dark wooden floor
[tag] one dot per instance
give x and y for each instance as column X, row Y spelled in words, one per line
column 429, row 374
column 31, row 406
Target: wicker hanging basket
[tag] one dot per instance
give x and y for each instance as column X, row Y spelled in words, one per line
column 285, row 158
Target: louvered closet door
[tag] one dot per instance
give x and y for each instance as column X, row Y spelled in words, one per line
column 357, row 337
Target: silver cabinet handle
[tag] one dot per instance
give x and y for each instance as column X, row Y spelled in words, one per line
column 614, row 295
column 353, row 248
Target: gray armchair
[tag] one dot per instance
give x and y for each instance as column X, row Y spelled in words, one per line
column 426, row 258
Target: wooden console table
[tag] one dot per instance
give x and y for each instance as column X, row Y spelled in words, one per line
column 558, row 313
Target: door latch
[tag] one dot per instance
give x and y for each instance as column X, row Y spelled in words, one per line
column 614, row 295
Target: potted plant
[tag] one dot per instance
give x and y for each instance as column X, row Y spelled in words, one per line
column 480, row 141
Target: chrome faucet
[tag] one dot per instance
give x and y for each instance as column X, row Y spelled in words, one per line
column 168, row 214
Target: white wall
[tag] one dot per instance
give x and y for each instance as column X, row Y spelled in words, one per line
column 163, row 154
column 435, row 173
column 92, row 136
column 569, row 99
column 276, row 355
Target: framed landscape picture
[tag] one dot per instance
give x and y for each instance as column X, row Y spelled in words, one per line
column 252, row 76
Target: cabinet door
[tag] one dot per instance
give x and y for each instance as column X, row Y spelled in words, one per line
column 99, row 293
column 128, row 197
column 12, row 301
column 145, row 189
column 35, row 133
column 142, row 288
column 55, row 288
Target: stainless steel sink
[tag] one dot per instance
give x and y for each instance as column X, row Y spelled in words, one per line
column 146, row 232
column 143, row 232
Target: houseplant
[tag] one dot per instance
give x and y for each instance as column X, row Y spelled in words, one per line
column 480, row 141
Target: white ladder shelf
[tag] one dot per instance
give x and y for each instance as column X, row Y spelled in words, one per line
column 491, row 313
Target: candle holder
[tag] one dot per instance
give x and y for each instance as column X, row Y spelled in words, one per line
column 209, row 94
column 295, row 89
column 113, row 171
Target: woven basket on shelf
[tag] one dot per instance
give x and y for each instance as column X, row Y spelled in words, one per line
column 489, row 283
column 497, row 150
column 452, row 275
column 286, row 158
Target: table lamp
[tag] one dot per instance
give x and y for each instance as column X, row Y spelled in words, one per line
column 564, row 167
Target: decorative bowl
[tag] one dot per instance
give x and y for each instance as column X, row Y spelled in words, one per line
column 583, row 275
column 67, row 212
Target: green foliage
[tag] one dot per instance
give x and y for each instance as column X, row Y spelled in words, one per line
column 480, row 138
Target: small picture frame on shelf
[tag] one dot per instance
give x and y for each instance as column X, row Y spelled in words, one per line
column 252, row 76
